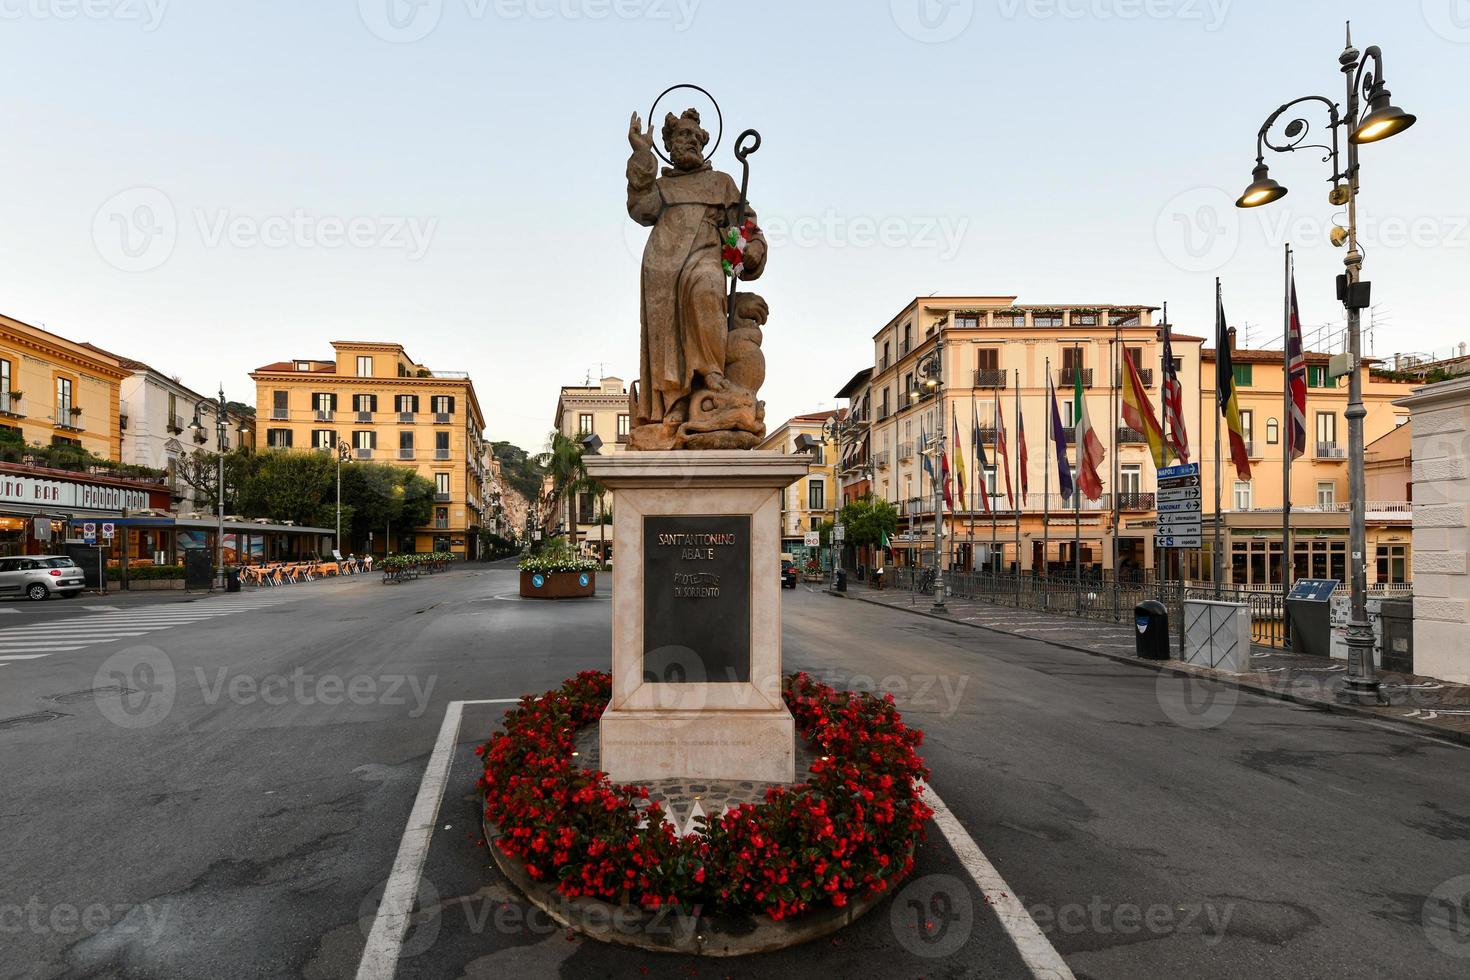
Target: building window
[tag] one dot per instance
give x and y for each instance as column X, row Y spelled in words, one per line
column 1327, row 428
column 278, row 438
column 1072, row 362
column 883, row 365
column 908, row 339
column 1242, row 495
column 63, row 401
column 441, row 482
column 406, row 404
column 364, row 439
column 816, row 495
column 1069, row 417
column 441, row 518
column 323, row 438
column 1046, row 320
column 364, row 366
column 1130, row 480
column 64, row 441
column 1242, row 374
column 405, row 443
column 280, row 404
column 623, row 427
column 442, row 405
column 1248, row 429
column 585, row 424
column 1273, row 432
column 1393, row 563
column 441, row 445
column 364, row 403
column 4, row 378
column 1326, row 494
column 1317, row 376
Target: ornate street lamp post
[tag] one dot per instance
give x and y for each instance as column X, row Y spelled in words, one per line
column 837, row 429
column 931, row 371
column 220, row 410
column 344, row 455
column 1382, row 121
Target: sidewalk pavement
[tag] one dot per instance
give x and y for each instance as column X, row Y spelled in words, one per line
column 1424, row 702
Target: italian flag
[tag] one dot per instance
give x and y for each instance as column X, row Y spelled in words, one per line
column 1089, row 448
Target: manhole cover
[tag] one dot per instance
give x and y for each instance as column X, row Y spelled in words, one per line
column 34, row 719
column 91, row 694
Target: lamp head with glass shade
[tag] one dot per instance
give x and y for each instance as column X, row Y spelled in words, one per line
column 1263, row 189
column 1383, row 119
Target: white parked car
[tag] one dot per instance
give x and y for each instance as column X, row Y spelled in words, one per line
column 40, row 577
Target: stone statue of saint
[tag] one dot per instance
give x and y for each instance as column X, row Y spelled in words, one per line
column 686, row 396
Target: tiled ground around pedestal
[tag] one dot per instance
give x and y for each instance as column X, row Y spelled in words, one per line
column 685, row 799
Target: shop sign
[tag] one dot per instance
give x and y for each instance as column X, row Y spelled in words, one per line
column 42, row 492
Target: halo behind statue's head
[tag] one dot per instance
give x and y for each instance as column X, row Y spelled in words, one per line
column 671, row 119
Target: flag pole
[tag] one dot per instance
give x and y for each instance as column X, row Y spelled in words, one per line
column 974, row 464
column 1076, row 470
column 1288, row 444
column 1116, row 350
column 1217, row 564
column 1046, row 478
column 1020, row 434
column 989, row 489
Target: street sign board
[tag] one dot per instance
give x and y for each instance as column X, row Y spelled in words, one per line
column 89, row 529
column 813, row 539
column 109, row 530
column 1183, row 469
column 839, row 532
column 1179, row 541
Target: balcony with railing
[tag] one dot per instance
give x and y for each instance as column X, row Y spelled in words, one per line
column 405, row 452
column 406, row 418
column 1331, row 451
column 441, row 523
column 365, row 417
column 990, row 378
column 69, row 418
column 441, row 454
column 1134, row 500
column 905, row 451
column 1067, row 377
column 326, row 415
column 880, row 459
column 12, row 407
column 988, row 434
column 1146, row 375
column 278, row 414
column 441, row 418
column 451, row 375
column 1128, row 435
column 362, row 452
column 175, row 424
column 441, row 497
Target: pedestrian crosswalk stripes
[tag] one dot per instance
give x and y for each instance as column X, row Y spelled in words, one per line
column 39, row 640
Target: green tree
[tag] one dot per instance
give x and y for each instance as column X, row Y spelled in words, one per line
column 288, row 486
column 868, row 520
column 562, row 461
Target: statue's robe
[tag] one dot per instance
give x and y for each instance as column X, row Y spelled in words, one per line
column 683, row 284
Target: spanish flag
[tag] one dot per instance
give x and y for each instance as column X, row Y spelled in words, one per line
column 1225, row 392
column 1139, row 413
column 959, row 463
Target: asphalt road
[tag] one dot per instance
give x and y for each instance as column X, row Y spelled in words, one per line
column 239, row 814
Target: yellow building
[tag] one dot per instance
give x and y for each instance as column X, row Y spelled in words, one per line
column 53, row 390
column 1251, row 508
column 600, row 410
column 387, row 408
column 815, row 498
column 998, row 356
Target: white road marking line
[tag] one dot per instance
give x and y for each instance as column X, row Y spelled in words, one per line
column 103, row 608
column 8, row 609
column 380, row 955
column 24, row 656
column 1037, row 952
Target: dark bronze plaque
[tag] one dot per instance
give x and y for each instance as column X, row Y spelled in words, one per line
column 696, row 599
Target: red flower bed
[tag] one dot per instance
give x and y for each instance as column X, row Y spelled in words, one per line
column 847, row 832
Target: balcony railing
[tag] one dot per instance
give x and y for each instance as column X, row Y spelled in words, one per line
column 1127, row 434
column 441, row 523
column 441, row 418
column 363, row 453
column 441, row 454
column 1331, row 450
column 1068, row 377
column 405, row 453
column 12, row 407
column 441, row 498
column 988, row 434
column 69, row 419
column 277, row 415
column 880, row 459
column 364, row 416
column 1134, row 500
column 990, row 378
column 406, row 417
column 905, row 451
column 325, row 415
column 175, row 424
column 1146, row 375
column 622, row 437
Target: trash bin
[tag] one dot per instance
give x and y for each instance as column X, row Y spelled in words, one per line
column 841, row 580
column 1152, row 621
column 232, row 580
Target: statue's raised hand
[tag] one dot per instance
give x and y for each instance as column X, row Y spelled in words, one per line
column 640, row 141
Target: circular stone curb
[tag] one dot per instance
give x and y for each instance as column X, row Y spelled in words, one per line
column 669, row 931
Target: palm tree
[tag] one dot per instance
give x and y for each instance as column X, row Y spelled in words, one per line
column 590, row 485
column 562, row 462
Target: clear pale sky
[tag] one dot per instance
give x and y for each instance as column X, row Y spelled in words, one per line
column 212, row 186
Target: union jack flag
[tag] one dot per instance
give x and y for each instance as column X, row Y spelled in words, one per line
column 1296, row 377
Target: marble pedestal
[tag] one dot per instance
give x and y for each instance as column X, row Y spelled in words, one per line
column 696, row 675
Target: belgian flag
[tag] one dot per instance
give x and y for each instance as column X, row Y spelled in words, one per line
column 1225, row 393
